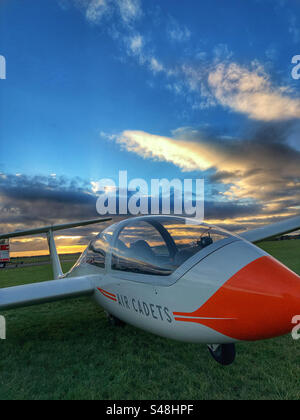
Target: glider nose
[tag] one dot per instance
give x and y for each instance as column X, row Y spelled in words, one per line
column 258, row 302
column 269, row 297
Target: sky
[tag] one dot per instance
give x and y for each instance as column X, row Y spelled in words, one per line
column 178, row 89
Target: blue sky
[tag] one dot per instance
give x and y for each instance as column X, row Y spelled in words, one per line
column 97, row 86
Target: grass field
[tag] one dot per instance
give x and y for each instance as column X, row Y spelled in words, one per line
column 41, row 259
column 67, row 350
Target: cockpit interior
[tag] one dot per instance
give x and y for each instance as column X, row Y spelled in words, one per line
column 155, row 245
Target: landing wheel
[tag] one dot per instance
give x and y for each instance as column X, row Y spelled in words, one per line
column 114, row 321
column 223, row 353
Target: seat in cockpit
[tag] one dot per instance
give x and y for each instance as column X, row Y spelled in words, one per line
column 121, row 246
column 141, row 250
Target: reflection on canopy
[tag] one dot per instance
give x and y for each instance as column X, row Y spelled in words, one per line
column 159, row 245
column 155, row 245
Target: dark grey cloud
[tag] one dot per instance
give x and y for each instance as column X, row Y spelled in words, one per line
column 264, row 166
column 230, row 210
column 33, row 201
column 27, row 202
column 253, row 179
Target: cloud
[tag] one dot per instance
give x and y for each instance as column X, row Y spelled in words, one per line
column 262, row 168
column 272, row 53
column 28, row 202
column 155, row 65
column 245, row 90
column 203, row 78
column 130, row 10
column 136, row 44
column 95, row 10
column 164, row 149
column 251, row 92
column 254, row 180
column 228, row 213
column 177, row 32
column 222, row 52
column 34, row 201
column 294, row 29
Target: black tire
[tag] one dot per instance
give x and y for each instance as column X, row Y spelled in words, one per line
column 225, row 354
column 114, row 321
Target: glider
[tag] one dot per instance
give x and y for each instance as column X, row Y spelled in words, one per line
column 176, row 278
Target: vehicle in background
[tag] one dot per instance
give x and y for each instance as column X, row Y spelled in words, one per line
column 4, row 252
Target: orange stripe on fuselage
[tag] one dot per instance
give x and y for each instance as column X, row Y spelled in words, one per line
column 258, row 302
column 108, row 294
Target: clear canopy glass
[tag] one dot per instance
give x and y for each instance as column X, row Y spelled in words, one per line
column 155, row 245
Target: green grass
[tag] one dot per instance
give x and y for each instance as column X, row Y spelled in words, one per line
column 42, row 259
column 67, row 350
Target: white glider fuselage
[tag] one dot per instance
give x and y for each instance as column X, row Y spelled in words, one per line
column 228, row 291
column 176, row 278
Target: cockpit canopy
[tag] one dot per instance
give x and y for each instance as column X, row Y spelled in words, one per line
column 155, row 245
